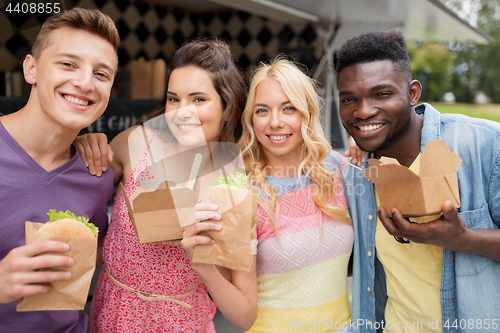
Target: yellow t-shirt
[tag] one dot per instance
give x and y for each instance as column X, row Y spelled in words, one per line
column 413, row 278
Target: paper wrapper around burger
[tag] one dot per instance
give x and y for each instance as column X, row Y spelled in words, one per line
column 235, row 243
column 413, row 195
column 157, row 215
column 65, row 295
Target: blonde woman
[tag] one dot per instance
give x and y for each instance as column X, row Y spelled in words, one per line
column 304, row 233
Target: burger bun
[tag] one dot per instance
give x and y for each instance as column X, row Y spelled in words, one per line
column 68, row 228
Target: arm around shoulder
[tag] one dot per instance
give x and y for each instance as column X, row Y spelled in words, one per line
column 121, row 164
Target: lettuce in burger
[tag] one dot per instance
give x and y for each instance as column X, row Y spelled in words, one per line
column 69, row 225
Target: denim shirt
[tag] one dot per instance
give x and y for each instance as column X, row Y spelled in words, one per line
column 470, row 284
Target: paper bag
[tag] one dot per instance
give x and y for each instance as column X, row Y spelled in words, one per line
column 70, row 294
column 235, row 243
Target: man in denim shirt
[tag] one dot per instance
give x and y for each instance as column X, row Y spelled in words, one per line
column 440, row 276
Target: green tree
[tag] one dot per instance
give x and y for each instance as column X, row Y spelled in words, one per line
column 436, row 61
column 488, row 60
column 477, row 66
column 466, row 72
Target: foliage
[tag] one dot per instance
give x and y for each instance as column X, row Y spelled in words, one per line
column 477, row 67
column 489, row 81
column 466, row 72
column 432, row 65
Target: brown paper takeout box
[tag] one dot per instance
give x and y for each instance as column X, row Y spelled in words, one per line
column 413, row 195
column 157, row 215
column 70, row 294
column 235, row 243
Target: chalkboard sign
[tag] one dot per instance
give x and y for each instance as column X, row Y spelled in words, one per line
column 119, row 115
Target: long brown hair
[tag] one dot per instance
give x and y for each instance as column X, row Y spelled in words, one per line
column 212, row 55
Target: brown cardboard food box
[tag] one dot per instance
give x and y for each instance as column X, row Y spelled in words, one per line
column 158, row 208
column 157, row 214
column 413, row 195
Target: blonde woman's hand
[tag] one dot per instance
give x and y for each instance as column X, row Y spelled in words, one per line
column 95, row 152
column 356, row 154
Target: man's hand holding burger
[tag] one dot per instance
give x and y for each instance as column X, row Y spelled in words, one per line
column 20, row 273
column 24, row 271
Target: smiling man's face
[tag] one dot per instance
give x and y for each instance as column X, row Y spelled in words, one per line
column 375, row 105
column 72, row 77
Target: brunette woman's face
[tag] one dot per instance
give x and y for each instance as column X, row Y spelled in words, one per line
column 194, row 108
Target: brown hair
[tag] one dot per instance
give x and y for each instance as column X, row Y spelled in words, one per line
column 212, row 55
column 91, row 20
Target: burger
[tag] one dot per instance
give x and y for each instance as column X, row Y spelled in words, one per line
column 69, row 225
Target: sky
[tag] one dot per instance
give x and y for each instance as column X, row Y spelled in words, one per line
column 468, row 10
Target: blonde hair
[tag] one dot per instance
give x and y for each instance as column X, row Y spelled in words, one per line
column 301, row 91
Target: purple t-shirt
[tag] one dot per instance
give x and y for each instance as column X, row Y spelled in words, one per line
column 27, row 193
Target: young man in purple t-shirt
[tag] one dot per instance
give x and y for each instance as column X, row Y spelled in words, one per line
column 71, row 71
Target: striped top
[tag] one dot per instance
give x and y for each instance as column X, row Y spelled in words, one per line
column 302, row 273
